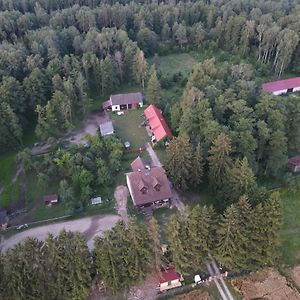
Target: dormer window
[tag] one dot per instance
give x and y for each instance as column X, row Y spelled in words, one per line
column 144, row 190
column 157, row 187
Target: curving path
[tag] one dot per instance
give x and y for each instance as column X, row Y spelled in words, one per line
column 90, row 228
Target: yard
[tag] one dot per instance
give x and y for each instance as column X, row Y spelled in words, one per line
column 127, row 127
column 290, row 236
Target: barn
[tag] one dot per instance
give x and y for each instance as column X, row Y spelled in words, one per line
column 157, row 124
column 123, row 102
column 280, row 87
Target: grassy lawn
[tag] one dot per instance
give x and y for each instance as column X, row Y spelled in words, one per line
column 290, row 236
column 128, row 128
column 8, row 169
column 174, row 63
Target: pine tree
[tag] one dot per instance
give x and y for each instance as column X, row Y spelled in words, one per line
column 219, row 161
column 197, row 169
column 179, row 161
column 153, row 87
column 154, row 236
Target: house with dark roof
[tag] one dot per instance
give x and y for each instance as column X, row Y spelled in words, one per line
column 3, row 219
column 294, row 163
column 123, row 102
column 148, row 187
column 280, row 87
column 169, row 279
column 157, row 124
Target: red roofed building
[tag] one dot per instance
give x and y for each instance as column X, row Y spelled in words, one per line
column 294, row 163
column 169, row 279
column 157, row 123
column 280, row 87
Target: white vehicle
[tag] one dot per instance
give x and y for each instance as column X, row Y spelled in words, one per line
column 197, row 279
column 22, row 226
column 120, row 113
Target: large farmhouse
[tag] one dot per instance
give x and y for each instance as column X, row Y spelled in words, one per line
column 148, row 187
column 123, row 102
column 282, row 86
column 157, row 123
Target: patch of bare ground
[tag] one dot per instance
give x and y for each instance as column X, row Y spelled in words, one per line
column 296, row 275
column 145, row 291
column 194, row 295
column 121, row 194
column 267, row 284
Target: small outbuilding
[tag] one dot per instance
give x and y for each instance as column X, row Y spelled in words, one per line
column 280, row 87
column 294, row 163
column 169, row 279
column 97, row 200
column 106, row 128
column 3, row 219
column 51, row 199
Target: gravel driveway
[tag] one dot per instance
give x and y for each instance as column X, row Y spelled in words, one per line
column 90, row 227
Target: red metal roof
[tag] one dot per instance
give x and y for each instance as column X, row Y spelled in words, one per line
column 281, row 84
column 157, row 123
column 169, row 275
column 295, row 161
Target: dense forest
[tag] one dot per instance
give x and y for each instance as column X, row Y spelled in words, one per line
column 230, row 138
column 56, row 54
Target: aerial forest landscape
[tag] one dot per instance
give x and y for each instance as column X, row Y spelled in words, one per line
column 149, row 149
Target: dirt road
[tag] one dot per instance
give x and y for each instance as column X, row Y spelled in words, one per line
column 155, row 160
column 121, row 194
column 90, row 227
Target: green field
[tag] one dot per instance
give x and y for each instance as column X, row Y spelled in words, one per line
column 127, row 127
column 174, row 63
column 290, row 236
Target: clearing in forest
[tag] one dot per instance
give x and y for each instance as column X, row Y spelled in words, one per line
column 174, row 63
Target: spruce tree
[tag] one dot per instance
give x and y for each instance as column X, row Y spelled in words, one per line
column 179, row 162
column 197, row 169
column 22, row 271
column 219, row 161
column 229, row 236
column 246, row 216
column 201, row 232
column 66, row 267
column 272, row 223
column 154, row 236
column 177, row 240
column 153, row 87
column 10, row 129
column 240, row 180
